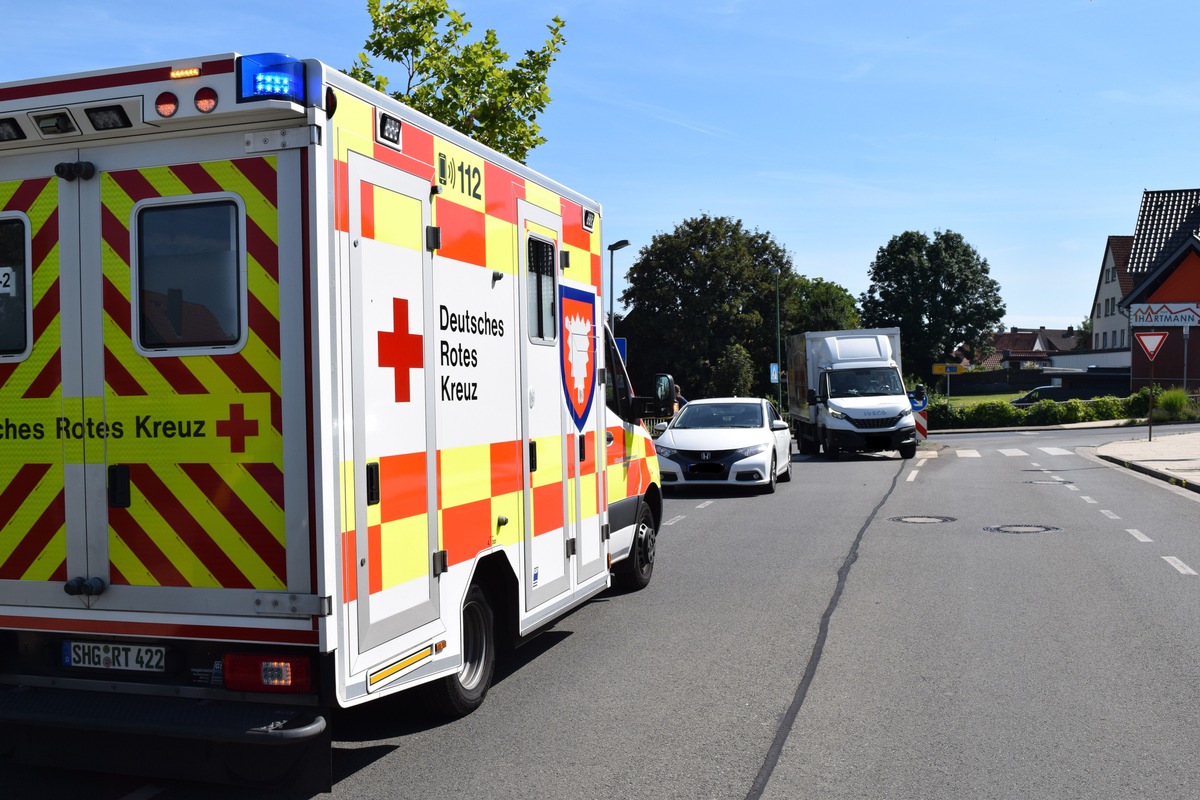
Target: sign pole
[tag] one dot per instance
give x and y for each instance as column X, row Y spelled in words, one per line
column 1150, row 419
column 1151, row 341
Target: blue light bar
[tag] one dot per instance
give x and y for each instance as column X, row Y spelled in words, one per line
column 270, row 76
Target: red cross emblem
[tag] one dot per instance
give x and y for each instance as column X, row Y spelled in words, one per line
column 237, row 428
column 401, row 350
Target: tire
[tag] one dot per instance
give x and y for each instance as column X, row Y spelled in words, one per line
column 635, row 571
column 807, row 446
column 461, row 693
column 831, row 450
column 908, row 451
column 772, row 476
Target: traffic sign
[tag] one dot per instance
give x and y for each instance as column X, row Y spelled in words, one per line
column 918, row 405
column 774, row 372
column 946, row 369
column 1151, row 341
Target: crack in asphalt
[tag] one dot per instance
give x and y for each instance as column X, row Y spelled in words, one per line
column 789, row 718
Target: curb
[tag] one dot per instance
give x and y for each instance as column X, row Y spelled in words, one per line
column 1162, row 476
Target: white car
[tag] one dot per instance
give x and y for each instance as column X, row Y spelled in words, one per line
column 725, row 440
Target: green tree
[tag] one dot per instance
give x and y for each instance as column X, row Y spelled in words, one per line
column 465, row 85
column 1083, row 341
column 820, row 305
column 938, row 292
column 698, row 297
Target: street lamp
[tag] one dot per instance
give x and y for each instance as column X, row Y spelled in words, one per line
column 612, row 287
column 778, row 344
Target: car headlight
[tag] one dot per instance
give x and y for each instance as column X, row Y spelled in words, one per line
column 833, row 412
column 906, row 413
column 666, row 452
column 752, row 451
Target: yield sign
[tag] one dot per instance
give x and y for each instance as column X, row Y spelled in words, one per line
column 1151, row 342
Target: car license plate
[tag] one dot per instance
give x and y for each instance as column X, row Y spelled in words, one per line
column 114, row 655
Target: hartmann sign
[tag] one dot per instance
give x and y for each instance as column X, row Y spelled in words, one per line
column 1174, row 314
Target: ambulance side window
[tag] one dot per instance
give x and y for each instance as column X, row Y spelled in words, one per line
column 15, row 312
column 189, row 276
column 542, row 291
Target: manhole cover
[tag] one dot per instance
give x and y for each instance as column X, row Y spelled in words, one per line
column 1022, row 529
column 1053, row 483
column 921, row 520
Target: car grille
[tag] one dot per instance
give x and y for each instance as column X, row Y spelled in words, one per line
column 874, row 422
column 699, row 455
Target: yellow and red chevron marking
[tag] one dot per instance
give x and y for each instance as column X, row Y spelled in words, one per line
column 32, row 501
column 208, row 498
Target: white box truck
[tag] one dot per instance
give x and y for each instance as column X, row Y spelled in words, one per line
column 846, row 393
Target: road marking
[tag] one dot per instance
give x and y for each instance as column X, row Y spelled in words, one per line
column 927, row 454
column 1035, row 464
column 1183, row 568
column 1012, row 451
column 705, row 504
column 673, row 520
column 1057, row 477
column 1056, row 451
column 1109, row 514
column 1072, row 487
column 912, row 476
column 1141, row 537
column 1087, row 499
column 968, row 454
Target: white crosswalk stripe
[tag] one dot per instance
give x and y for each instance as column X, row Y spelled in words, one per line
column 968, row 454
column 1056, row 451
column 1012, row 451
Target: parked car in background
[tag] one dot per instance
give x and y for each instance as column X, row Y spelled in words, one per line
column 1057, row 393
column 725, row 440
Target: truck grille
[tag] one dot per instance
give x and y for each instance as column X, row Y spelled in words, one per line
column 874, row 422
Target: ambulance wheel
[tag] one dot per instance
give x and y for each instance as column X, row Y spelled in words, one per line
column 635, row 571
column 461, row 693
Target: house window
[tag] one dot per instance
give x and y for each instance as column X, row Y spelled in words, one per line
column 190, row 285
column 1105, row 340
column 15, row 309
column 1122, row 337
column 541, row 290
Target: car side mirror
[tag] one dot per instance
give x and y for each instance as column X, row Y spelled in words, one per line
column 778, row 425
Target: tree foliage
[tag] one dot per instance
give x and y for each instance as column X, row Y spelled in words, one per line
column 702, row 302
column 464, row 84
column 938, row 292
column 820, row 305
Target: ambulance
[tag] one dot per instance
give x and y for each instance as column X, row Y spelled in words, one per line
column 305, row 400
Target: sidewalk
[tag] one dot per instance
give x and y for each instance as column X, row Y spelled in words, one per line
column 1174, row 458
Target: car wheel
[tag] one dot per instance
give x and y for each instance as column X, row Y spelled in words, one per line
column 635, row 571
column 786, row 475
column 772, row 476
column 461, row 693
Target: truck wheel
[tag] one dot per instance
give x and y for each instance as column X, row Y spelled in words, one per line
column 908, row 451
column 459, row 694
column 635, row 571
column 831, row 450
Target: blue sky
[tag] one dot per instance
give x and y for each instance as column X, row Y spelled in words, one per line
column 1031, row 127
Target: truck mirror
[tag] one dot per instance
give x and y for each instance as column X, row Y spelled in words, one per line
column 919, row 392
column 812, row 397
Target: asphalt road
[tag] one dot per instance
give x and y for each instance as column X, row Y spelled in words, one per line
column 998, row 620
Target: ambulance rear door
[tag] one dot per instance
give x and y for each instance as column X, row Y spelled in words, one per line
column 167, row 373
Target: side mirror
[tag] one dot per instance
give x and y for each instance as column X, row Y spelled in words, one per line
column 778, row 425
column 812, row 397
column 659, row 404
column 919, row 392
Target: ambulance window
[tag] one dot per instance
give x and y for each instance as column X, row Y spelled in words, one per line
column 542, row 291
column 616, row 382
column 14, row 289
column 189, row 277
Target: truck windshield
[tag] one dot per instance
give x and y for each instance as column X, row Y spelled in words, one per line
column 865, row 382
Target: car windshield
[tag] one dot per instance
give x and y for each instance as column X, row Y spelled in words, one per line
column 865, row 382
column 720, row 415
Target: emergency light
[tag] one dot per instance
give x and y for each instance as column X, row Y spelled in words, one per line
column 270, row 76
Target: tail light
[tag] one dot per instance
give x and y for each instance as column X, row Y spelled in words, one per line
column 270, row 672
